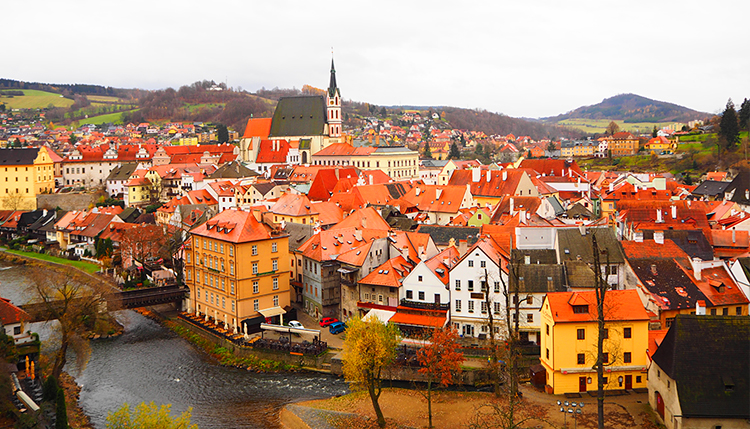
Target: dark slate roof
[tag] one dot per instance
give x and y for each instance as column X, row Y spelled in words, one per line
column 299, row 116
column 48, row 224
column 129, row 215
column 705, row 355
column 740, row 185
column 692, row 242
column 232, row 170
column 711, row 188
column 441, row 235
column 396, row 190
column 28, row 218
column 122, row 172
column 556, row 205
column 580, row 245
column 579, row 275
column 578, row 211
column 536, row 256
column 298, row 234
column 665, row 279
column 264, row 187
column 432, row 163
column 538, row 278
column 24, row 156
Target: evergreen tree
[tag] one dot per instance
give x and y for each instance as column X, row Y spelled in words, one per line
column 654, row 132
column 61, row 419
column 454, row 153
column 222, row 134
column 744, row 114
column 427, row 153
column 479, row 150
column 729, row 130
column 49, row 389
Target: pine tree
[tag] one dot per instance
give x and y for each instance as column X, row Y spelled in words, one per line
column 454, row 153
column 61, row 419
column 427, row 153
column 744, row 114
column 729, row 130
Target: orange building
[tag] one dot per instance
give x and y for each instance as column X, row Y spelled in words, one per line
column 237, row 268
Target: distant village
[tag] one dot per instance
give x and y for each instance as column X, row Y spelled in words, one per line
column 297, row 212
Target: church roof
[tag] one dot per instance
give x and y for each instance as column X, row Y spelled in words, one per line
column 299, row 116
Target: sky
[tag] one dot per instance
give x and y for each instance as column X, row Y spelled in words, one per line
column 524, row 58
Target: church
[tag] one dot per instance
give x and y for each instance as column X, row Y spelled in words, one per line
column 309, row 123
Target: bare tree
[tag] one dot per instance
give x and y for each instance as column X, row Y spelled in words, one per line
column 601, row 286
column 74, row 300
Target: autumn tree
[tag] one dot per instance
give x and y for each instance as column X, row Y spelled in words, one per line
column 612, row 128
column 143, row 242
column 148, row 416
column 73, row 299
column 369, row 347
column 440, row 360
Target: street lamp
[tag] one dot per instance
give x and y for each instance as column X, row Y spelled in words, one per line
column 574, row 408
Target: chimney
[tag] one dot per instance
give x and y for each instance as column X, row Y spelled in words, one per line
column 452, row 242
column 734, row 236
column 257, row 215
column 658, row 216
column 638, row 237
column 582, row 228
column 364, row 221
column 463, row 246
column 674, row 212
column 522, row 216
column 489, row 176
column 611, row 187
column 417, row 191
column 659, row 237
column 370, row 178
column 697, row 268
column 438, row 193
column 700, row 307
column 511, row 206
column 421, row 252
column 505, row 175
column 476, row 174
column 405, row 252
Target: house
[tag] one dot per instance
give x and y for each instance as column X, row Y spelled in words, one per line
column 237, row 269
column 570, row 337
column 13, row 321
column 24, row 173
column 687, row 388
column 575, row 245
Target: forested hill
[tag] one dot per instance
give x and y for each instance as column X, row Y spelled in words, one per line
column 64, row 89
column 633, row 108
column 494, row 123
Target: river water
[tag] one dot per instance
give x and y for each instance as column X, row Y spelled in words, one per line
column 150, row 363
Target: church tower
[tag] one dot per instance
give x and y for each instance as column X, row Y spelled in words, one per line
column 333, row 108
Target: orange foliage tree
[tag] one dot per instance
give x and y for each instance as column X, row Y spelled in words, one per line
column 441, row 361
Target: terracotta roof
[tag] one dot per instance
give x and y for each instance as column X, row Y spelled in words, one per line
column 552, row 167
column 503, row 182
column 10, row 314
column 332, row 243
column 328, row 213
column 345, row 149
column 293, row 205
column 655, row 338
column 234, row 226
column 618, row 304
column 411, row 317
column 272, row 152
column 435, row 198
column 366, row 218
column 389, row 274
column 257, row 127
column 444, row 261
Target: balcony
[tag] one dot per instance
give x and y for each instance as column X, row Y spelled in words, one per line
column 424, row 305
column 347, row 282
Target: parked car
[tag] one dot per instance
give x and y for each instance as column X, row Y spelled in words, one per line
column 295, row 324
column 327, row 321
column 336, row 328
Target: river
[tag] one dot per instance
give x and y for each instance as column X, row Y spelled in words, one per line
column 150, row 363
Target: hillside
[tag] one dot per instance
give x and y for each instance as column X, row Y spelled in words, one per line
column 494, row 123
column 632, row 108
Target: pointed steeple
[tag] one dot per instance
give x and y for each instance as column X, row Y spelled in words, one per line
column 332, row 88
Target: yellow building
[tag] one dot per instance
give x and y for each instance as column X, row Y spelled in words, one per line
column 569, row 341
column 24, row 173
column 237, row 268
column 398, row 162
column 139, row 189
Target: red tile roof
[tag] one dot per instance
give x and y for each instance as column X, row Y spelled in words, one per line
column 272, row 152
column 411, row 317
column 618, row 304
column 388, row 274
column 258, row 127
column 235, row 226
column 10, row 314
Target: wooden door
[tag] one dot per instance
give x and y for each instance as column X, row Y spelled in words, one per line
column 581, row 384
column 628, row 382
column 660, row 405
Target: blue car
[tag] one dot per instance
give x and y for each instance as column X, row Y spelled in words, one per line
column 337, row 328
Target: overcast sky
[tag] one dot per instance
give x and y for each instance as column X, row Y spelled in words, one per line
column 525, row 58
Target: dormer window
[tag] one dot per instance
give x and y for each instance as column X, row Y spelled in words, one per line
column 580, row 309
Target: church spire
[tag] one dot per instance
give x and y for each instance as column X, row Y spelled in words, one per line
column 332, row 88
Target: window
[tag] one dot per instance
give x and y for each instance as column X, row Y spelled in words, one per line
column 713, row 312
column 637, row 378
column 725, row 311
column 483, row 264
column 606, row 333
column 274, row 247
column 255, row 268
column 471, row 285
column 738, row 311
column 204, row 244
column 627, row 333
column 275, row 264
column 212, row 297
column 231, row 250
column 256, row 305
column 605, row 380
column 409, row 294
column 547, row 353
column 233, row 310
column 605, row 357
column 231, row 286
column 275, row 283
column 497, row 287
column 231, row 268
column 222, row 283
column 529, row 318
column 421, row 295
column 222, row 265
column 547, row 328
column 496, row 306
column 254, row 249
column 419, row 278
column 187, row 258
column 580, row 309
column 458, row 305
column 223, row 302
column 471, row 263
column 529, row 300
column 255, row 286
column 275, row 300
column 380, row 299
column 581, row 334
column 458, row 286
column 206, row 296
column 484, row 307
column 221, row 247
column 581, row 358
column 626, row 357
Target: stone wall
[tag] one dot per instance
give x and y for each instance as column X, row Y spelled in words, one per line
column 67, row 202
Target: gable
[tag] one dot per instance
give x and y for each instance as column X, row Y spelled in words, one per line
column 299, row 116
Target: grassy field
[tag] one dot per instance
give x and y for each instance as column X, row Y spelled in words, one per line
column 600, row 125
column 106, row 99
column 34, row 99
column 115, row 118
column 81, row 265
column 196, row 107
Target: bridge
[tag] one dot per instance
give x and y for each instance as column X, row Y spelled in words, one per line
column 128, row 299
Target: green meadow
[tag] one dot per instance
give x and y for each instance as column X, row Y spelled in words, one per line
column 33, row 99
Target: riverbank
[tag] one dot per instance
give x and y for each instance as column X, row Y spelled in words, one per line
column 405, row 408
column 87, row 267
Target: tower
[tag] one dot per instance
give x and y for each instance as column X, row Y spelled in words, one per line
column 333, row 108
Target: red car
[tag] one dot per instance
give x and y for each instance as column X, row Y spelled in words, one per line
column 327, row 321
